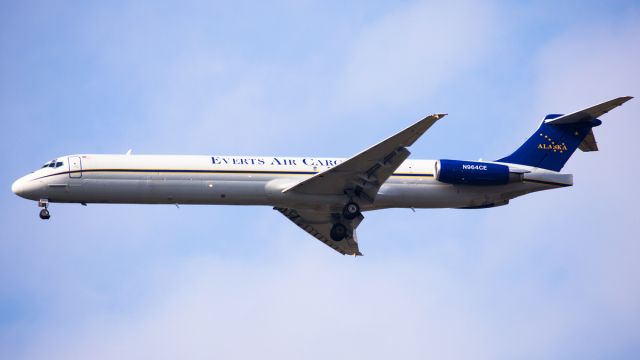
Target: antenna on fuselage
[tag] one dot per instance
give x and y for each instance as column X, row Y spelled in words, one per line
column 128, row 152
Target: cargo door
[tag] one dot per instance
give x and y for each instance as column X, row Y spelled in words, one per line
column 75, row 167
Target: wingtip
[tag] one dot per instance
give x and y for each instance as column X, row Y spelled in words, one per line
column 439, row 116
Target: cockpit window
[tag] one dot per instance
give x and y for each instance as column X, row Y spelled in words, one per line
column 52, row 164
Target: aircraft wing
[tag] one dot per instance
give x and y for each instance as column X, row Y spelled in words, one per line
column 363, row 174
column 319, row 225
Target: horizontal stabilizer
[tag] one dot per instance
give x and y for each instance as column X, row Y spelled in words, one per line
column 591, row 113
column 589, row 143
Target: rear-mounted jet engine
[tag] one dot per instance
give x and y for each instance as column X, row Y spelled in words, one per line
column 474, row 173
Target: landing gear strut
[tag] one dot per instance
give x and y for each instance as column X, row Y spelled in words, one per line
column 44, row 213
column 338, row 232
column 351, row 210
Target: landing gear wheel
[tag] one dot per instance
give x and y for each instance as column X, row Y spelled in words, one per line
column 44, row 214
column 351, row 210
column 338, row 232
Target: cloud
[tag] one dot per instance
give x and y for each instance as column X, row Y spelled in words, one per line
column 583, row 236
column 585, row 66
column 550, row 276
column 409, row 53
column 310, row 306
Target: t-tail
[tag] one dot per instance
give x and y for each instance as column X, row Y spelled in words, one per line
column 558, row 137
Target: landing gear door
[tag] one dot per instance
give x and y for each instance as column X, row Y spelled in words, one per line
column 75, row 167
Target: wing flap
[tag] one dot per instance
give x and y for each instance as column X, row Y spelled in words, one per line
column 319, row 225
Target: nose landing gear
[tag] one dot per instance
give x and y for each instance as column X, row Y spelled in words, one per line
column 44, row 213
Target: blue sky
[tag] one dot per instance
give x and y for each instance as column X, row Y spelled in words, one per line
column 553, row 275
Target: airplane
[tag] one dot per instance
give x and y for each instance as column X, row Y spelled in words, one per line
column 324, row 196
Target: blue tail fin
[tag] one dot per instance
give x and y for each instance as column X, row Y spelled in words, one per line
column 551, row 145
column 559, row 136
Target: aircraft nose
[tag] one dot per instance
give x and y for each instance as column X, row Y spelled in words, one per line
column 17, row 187
column 21, row 187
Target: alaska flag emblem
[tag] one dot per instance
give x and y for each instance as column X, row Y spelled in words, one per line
column 549, row 144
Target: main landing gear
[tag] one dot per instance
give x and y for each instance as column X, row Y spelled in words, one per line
column 351, row 210
column 339, row 230
column 44, row 213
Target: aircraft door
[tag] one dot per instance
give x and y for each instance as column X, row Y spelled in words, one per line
column 75, row 167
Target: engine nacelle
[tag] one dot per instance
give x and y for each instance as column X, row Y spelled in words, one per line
column 473, row 173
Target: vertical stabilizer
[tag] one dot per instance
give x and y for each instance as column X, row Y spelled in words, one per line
column 558, row 137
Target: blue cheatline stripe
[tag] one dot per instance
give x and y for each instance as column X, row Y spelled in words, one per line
column 260, row 172
column 546, row 182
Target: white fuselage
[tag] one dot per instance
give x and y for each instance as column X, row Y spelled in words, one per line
column 253, row 180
